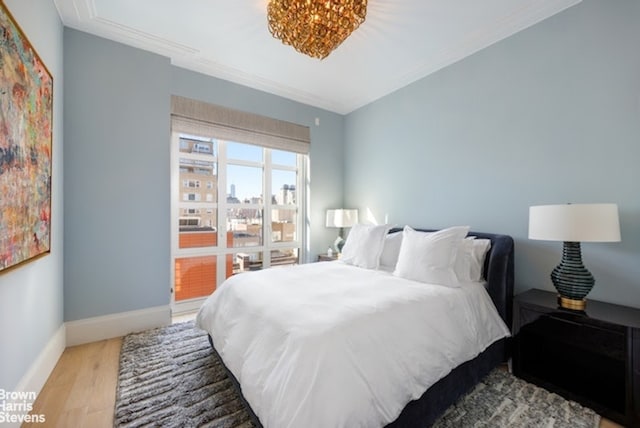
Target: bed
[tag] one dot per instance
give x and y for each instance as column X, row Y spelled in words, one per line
column 334, row 344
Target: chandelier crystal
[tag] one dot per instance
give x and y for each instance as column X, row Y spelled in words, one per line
column 315, row 27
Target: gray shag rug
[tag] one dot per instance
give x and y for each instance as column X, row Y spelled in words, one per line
column 169, row 377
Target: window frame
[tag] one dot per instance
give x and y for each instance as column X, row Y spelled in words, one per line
column 221, row 251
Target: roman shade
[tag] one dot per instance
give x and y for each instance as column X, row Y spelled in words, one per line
column 199, row 118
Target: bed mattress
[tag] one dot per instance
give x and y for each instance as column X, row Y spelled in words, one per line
column 332, row 345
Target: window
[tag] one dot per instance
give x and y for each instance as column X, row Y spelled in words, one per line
column 248, row 215
column 191, row 196
column 189, row 221
column 191, row 183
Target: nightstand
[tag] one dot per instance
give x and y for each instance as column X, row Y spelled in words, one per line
column 591, row 356
column 327, row 257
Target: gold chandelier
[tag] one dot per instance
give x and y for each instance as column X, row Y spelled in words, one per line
column 315, row 27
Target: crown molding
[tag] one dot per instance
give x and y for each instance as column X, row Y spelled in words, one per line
column 83, row 15
column 210, row 68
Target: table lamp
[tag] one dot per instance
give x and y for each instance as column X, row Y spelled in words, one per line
column 572, row 224
column 341, row 218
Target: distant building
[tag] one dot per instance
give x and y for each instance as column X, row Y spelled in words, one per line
column 283, row 224
column 198, row 183
column 286, row 195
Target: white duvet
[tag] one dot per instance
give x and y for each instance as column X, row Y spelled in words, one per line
column 332, row 345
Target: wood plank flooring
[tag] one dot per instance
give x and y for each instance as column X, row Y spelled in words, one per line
column 81, row 390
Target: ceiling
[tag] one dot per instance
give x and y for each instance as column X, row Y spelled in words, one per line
column 401, row 41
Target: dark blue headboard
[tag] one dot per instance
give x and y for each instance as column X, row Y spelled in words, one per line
column 498, row 270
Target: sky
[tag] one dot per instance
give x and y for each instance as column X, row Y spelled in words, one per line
column 248, row 180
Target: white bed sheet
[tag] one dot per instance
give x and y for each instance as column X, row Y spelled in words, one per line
column 331, row 345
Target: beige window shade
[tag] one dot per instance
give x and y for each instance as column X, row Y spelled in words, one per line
column 199, row 118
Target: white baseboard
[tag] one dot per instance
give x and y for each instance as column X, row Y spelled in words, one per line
column 85, row 331
column 188, row 306
column 115, row 325
column 38, row 373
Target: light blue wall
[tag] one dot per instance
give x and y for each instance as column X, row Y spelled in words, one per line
column 116, row 177
column 117, row 103
column 31, row 294
column 549, row 115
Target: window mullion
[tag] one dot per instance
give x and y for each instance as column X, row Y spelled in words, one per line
column 266, row 215
column 301, row 203
column 222, row 211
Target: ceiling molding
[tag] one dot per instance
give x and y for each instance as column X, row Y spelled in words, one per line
column 82, row 15
column 129, row 35
column 220, row 71
column 503, row 22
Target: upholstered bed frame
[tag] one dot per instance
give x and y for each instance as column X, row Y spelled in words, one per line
column 498, row 271
column 499, row 274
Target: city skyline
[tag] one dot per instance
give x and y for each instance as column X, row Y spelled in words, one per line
column 247, row 180
column 247, row 187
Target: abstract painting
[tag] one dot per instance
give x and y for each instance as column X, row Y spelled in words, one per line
column 26, row 103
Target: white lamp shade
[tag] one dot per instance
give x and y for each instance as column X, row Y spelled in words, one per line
column 341, row 218
column 575, row 222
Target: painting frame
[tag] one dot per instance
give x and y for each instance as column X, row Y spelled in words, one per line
column 26, row 147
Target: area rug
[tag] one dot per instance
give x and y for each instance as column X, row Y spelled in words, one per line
column 169, row 377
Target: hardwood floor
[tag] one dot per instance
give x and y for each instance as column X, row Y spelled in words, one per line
column 81, row 390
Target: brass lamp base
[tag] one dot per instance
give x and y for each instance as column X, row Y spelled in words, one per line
column 573, row 304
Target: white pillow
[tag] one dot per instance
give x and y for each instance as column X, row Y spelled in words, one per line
column 430, row 257
column 478, row 253
column 470, row 258
column 364, row 245
column 462, row 265
column 390, row 251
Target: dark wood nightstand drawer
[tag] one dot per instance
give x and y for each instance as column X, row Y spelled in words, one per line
column 591, row 356
column 327, row 258
column 635, row 363
column 580, row 334
column 586, row 363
